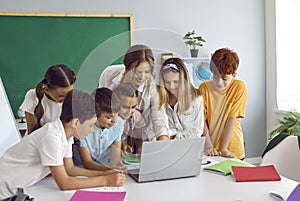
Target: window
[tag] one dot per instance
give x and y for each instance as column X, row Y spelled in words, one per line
column 288, row 54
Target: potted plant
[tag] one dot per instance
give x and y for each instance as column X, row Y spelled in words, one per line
column 289, row 124
column 193, row 40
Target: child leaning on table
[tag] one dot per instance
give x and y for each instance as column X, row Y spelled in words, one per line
column 138, row 69
column 132, row 138
column 49, row 149
column 101, row 149
column 43, row 104
column 224, row 100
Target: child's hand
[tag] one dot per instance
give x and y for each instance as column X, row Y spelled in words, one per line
column 212, row 152
column 227, row 154
column 137, row 155
column 110, row 171
column 115, row 179
column 126, row 149
column 120, row 167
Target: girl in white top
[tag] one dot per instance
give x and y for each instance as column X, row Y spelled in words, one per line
column 43, row 104
column 49, row 150
column 183, row 102
column 138, row 70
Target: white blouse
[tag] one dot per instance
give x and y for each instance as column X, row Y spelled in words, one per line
column 52, row 109
column 155, row 118
column 189, row 124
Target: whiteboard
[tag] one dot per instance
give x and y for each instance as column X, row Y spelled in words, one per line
column 9, row 132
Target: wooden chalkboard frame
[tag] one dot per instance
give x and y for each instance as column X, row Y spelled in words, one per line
column 88, row 70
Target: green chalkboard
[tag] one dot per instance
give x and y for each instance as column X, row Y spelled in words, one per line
column 30, row 43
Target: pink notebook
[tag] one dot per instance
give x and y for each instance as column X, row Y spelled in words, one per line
column 82, row 195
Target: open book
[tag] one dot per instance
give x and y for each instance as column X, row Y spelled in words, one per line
column 293, row 195
column 224, row 167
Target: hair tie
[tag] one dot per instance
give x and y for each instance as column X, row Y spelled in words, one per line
column 170, row 65
column 44, row 81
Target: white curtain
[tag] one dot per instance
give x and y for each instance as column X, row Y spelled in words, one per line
column 288, row 54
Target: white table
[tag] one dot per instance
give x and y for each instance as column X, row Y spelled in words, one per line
column 207, row 187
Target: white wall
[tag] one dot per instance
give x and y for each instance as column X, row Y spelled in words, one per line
column 236, row 24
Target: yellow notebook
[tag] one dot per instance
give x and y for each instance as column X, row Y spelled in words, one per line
column 224, row 167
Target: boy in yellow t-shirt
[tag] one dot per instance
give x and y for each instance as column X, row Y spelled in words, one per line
column 224, row 99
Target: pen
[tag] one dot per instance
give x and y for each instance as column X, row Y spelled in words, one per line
column 206, row 163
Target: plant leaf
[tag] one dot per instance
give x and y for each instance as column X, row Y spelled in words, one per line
column 289, row 124
column 193, row 40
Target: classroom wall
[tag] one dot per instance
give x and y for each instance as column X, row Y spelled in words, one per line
column 236, row 24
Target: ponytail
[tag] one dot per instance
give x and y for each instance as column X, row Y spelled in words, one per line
column 39, row 110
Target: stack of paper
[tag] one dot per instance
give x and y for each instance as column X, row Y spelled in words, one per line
column 255, row 173
column 224, row 167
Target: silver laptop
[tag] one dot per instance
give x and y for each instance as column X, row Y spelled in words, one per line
column 169, row 159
